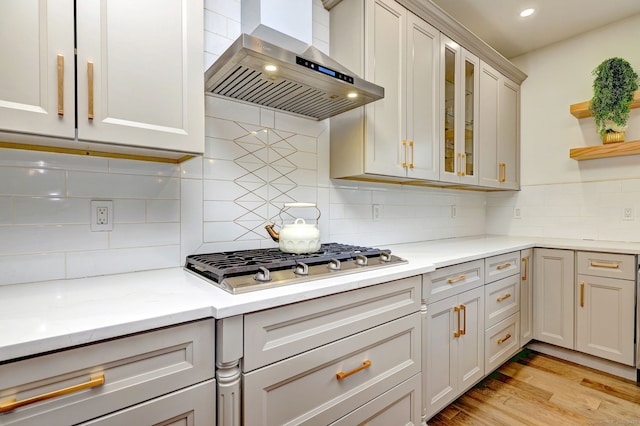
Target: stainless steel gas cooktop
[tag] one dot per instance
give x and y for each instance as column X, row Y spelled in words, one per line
column 250, row 270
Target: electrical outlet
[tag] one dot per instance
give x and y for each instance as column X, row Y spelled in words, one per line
column 101, row 215
column 627, row 213
column 517, row 213
column 377, row 212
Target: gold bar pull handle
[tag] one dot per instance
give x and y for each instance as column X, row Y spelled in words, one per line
column 503, row 172
column 506, row 265
column 406, row 153
column 582, row 294
column 412, row 154
column 505, row 297
column 463, row 169
column 60, row 85
column 458, row 332
column 463, row 308
column 459, row 163
column 90, row 89
column 456, row 280
column 504, row 339
column 605, row 265
column 525, row 261
column 365, row 364
column 12, row 404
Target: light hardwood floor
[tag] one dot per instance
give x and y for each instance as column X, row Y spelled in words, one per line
column 536, row 389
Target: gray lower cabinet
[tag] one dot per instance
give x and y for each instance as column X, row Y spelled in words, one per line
column 340, row 358
column 164, row 375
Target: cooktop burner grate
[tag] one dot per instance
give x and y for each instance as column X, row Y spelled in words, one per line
column 224, row 264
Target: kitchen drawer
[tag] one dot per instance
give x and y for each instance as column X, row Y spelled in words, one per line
column 608, row 265
column 399, row 406
column 502, row 299
column 279, row 333
column 193, row 406
column 501, row 266
column 501, row 342
column 305, row 388
column 135, row 369
column 452, row 280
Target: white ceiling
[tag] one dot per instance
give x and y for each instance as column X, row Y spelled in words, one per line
column 498, row 22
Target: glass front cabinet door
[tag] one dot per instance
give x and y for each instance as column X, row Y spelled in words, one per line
column 459, row 107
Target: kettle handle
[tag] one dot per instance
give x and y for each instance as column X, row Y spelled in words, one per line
column 298, row 205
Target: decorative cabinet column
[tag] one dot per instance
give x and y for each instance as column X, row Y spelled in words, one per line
column 229, row 351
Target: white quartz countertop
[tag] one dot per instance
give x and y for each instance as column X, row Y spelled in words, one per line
column 46, row 316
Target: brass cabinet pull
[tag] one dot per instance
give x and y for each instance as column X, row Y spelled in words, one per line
column 582, row 294
column 525, row 260
column 90, row 89
column 506, row 265
column 406, row 153
column 605, row 265
column 503, row 172
column 459, row 163
column 463, row 169
column 60, row 85
column 458, row 332
column 12, row 404
column 412, row 154
column 504, row 339
column 463, row 308
column 365, row 364
column 455, row 280
column 505, row 297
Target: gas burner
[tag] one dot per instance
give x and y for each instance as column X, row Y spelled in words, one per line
column 249, row 270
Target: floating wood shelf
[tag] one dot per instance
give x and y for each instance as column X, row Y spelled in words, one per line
column 619, row 149
column 581, row 110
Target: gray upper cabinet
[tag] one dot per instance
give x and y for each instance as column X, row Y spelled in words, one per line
column 394, row 138
column 499, row 138
column 431, row 127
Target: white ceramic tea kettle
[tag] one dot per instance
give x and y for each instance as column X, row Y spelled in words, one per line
column 297, row 237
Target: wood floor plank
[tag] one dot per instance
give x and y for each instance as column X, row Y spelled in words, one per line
column 534, row 389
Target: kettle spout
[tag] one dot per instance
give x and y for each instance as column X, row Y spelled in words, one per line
column 275, row 236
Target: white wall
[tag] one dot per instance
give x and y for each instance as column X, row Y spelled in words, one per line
column 220, row 201
column 562, row 197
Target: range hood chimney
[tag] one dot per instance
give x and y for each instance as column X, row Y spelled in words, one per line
column 273, row 64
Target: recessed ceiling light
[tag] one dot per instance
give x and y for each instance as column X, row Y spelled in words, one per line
column 527, row 12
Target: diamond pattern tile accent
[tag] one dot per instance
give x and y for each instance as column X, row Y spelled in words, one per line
column 265, row 159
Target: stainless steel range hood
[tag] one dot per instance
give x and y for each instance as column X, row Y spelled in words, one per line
column 309, row 83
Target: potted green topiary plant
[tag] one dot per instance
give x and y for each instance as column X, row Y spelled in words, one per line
column 613, row 90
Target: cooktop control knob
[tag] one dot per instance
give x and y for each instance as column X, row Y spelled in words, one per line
column 361, row 260
column 334, row 264
column 263, row 275
column 301, row 269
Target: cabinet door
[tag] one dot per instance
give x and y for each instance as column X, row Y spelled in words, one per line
column 37, row 87
column 605, row 318
column 499, row 130
column 526, row 297
column 193, row 406
column 509, row 135
column 423, row 54
column 440, row 367
column 471, row 342
column 553, row 296
column 459, row 80
column 488, row 126
column 140, row 79
column 385, row 151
